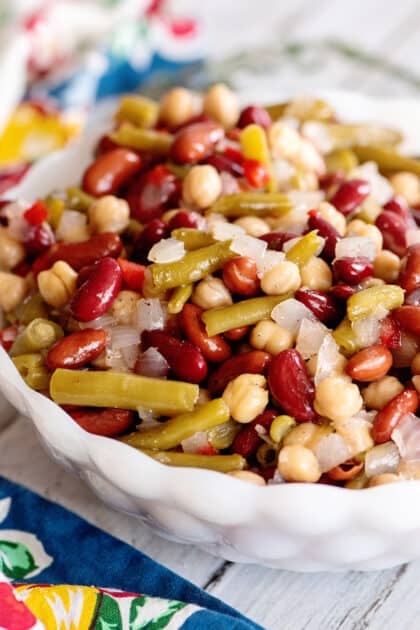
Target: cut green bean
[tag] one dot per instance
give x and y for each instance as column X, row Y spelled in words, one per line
column 179, row 170
column 245, row 313
column 346, row 338
column 33, row 371
column 123, row 391
column 156, row 142
column 222, row 436
column 171, row 433
column 256, row 204
column 33, row 308
column 280, row 426
column 139, row 110
column 55, row 207
column 78, row 199
column 366, row 302
column 341, row 160
column 387, row 159
column 220, row 463
column 301, row 252
column 39, row 334
column 345, row 136
column 194, row 266
column 179, row 297
column 192, row 239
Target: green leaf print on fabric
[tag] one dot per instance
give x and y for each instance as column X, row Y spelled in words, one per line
column 152, row 613
column 108, row 615
column 16, row 561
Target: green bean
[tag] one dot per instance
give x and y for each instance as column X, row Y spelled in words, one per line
column 341, row 160
column 301, row 252
column 194, row 266
column 245, row 313
column 156, row 142
column 257, row 204
column 387, row 159
column 346, row 338
column 78, row 199
column 345, row 136
column 179, row 170
column 266, row 455
column 55, row 207
column 32, row 370
column 179, row 297
column 222, row 436
column 221, row 463
column 171, row 433
column 139, row 110
column 276, row 110
column 192, row 239
column 33, row 308
column 366, row 302
column 39, row 334
column 280, row 426
column 358, row 482
column 123, row 391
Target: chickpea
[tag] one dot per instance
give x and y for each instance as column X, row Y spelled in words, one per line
column 356, row 433
column 307, row 434
column 415, row 364
column 298, row 463
column 269, row 336
column 211, row 293
column 11, row 251
column 248, row 476
column 286, row 143
column 201, row 186
column 416, row 382
column 407, row 185
column 409, row 469
column 222, row 104
column 246, row 396
column 366, row 283
column 13, row 289
column 357, row 227
column 337, row 398
column 57, row 284
column 109, row 214
column 377, row 394
column 386, row 266
column 124, row 307
column 280, row 279
column 335, row 218
column 254, row 226
column 316, row 274
column 380, row 480
column 177, row 107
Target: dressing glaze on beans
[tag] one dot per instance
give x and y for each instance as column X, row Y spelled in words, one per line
column 217, row 315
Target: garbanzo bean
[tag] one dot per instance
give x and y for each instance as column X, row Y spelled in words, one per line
column 109, row 214
column 248, row 476
column 177, row 107
column 337, row 398
column 360, row 228
column 269, row 336
column 201, row 186
column 379, row 393
column 254, row 226
column 386, row 266
column 211, row 293
column 222, row 104
column 246, row 396
column 283, row 278
column 316, row 274
column 297, row 463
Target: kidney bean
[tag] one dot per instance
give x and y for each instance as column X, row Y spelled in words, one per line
column 215, row 348
column 322, row 305
column 369, row 364
column 276, row 240
column 76, row 349
column 342, row 291
column 252, row 362
column 106, row 422
column 254, row 114
column 152, row 233
column 222, row 162
column 412, row 298
column 406, row 351
column 195, row 142
column 410, row 271
column 79, row 255
column 110, row 171
column 390, row 333
column 393, row 228
column 326, row 230
column 352, row 270
column 152, row 194
column 389, row 417
column 329, row 180
column 98, row 292
column 346, row 471
column 184, row 358
column 408, row 318
column 290, row 385
column 399, row 205
column 240, row 276
column 199, row 118
column 183, row 219
column 350, row 195
column 235, row 334
column 39, row 238
column 104, row 145
column 248, row 440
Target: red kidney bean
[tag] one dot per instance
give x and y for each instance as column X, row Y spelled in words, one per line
column 369, row 364
column 106, row 422
column 184, row 358
column 76, row 349
column 240, row 276
column 104, row 145
column 407, row 350
column 410, row 271
column 389, row 417
column 214, row 349
column 222, row 162
column 257, row 175
column 110, row 171
column 350, row 195
column 412, row 298
column 390, row 333
column 322, row 305
column 235, row 334
column 39, row 238
column 199, row 118
column 399, row 206
column 152, row 233
column 195, row 142
column 96, row 295
column 290, row 385
column 408, row 318
column 342, row 291
column 352, row 270
column 326, row 230
column 252, row 362
column 254, row 114
column 248, row 440
column 79, row 255
column 393, row 228
column 183, row 219
column 329, row 180
column 346, row 471
column 276, row 240
column 152, row 194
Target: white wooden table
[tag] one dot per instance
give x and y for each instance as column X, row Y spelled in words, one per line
column 387, row 600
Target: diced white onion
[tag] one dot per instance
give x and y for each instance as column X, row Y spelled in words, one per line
column 380, row 188
column 413, row 237
column 306, row 199
column 318, row 133
column 368, row 329
column 151, row 314
column 126, row 340
column 167, row 250
column 355, row 247
column 290, row 313
column 222, row 231
column 382, row 458
column 195, row 443
column 328, row 359
column 152, row 363
column 230, row 184
column 331, row 451
column 148, row 418
column 72, row 227
column 407, row 437
column 17, row 226
column 310, row 337
column 105, row 321
column 270, row 259
column 249, row 246
column 289, row 244
column 283, row 170
column 276, row 479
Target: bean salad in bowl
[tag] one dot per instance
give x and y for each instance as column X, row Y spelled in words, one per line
column 237, row 290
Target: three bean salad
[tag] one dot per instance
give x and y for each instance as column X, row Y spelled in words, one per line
column 232, row 289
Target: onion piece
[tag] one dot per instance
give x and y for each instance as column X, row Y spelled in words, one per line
column 195, row 443
column 407, row 437
column 270, row 259
column 329, row 359
column 310, row 337
column 382, row 458
column 148, row 418
column 250, row 246
column 290, row 313
column 152, row 363
column 367, row 329
column 306, row 199
column 72, row 227
column 222, row 231
column 230, row 184
column 331, row 451
column 17, row 226
column 167, row 250
column 355, row 247
column 151, row 314
column 104, row 321
column 380, row 188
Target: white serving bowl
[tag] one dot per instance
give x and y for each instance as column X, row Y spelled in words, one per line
column 301, row 527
